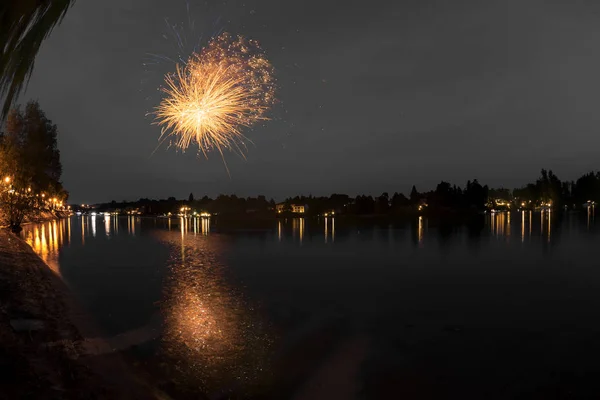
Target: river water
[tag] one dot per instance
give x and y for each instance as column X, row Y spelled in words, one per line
column 503, row 307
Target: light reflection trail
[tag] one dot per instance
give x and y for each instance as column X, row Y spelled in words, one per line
column 83, row 230
column 279, row 229
column 205, row 226
column 107, row 225
column 588, row 218
column 522, row 226
column 332, row 230
column 549, row 224
column 131, row 225
column 46, row 239
column 93, row 226
column 44, row 245
column 211, row 334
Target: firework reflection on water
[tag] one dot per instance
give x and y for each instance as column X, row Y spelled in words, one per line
column 212, row 336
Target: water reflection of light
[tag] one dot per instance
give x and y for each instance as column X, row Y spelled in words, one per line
column 54, row 243
column 549, row 223
column 333, row 229
column 279, row 229
column 61, row 234
column 498, row 225
column 420, row 232
column 68, row 231
column 205, row 226
column 530, row 222
column 131, row 225
column 298, row 228
column 107, row 225
column 169, row 223
column 37, row 245
column 210, row 331
column 329, row 232
column 542, row 222
column 522, row 226
column 44, row 244
column 588, row 218
column 46, row 239
column 82, row 229
column 93, row 226
column 182, row 229
column 49, row 240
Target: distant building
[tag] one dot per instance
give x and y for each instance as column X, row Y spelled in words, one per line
column 298, row 209
column 133, row 211
column 295, row 208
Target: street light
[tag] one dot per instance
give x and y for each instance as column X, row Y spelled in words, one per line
column 7, row 180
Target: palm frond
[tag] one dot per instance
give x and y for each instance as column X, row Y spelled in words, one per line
column 24, row 24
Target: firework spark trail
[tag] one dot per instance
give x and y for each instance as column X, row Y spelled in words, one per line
column 210, row 99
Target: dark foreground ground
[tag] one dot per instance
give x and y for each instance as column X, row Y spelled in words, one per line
column 40, row 354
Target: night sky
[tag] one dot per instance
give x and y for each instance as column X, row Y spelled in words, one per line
column 375, row 96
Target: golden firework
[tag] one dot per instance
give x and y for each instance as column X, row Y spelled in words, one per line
column 226, row 87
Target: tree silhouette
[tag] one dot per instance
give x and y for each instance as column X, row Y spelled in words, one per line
column 30, row 166
column 414, row 196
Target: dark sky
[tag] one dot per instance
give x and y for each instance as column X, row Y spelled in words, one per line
column 375, row 96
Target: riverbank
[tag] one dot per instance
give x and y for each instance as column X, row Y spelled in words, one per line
column 39, row 354
column 41, row 216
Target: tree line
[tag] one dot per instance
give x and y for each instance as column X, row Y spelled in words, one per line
column 473, row 197
column 30, row 167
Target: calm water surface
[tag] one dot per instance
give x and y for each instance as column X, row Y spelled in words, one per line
column 504, row 307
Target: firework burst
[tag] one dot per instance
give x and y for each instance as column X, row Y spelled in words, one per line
column 226, row 87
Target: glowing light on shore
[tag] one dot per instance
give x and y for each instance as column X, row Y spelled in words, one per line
column 226, row 87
